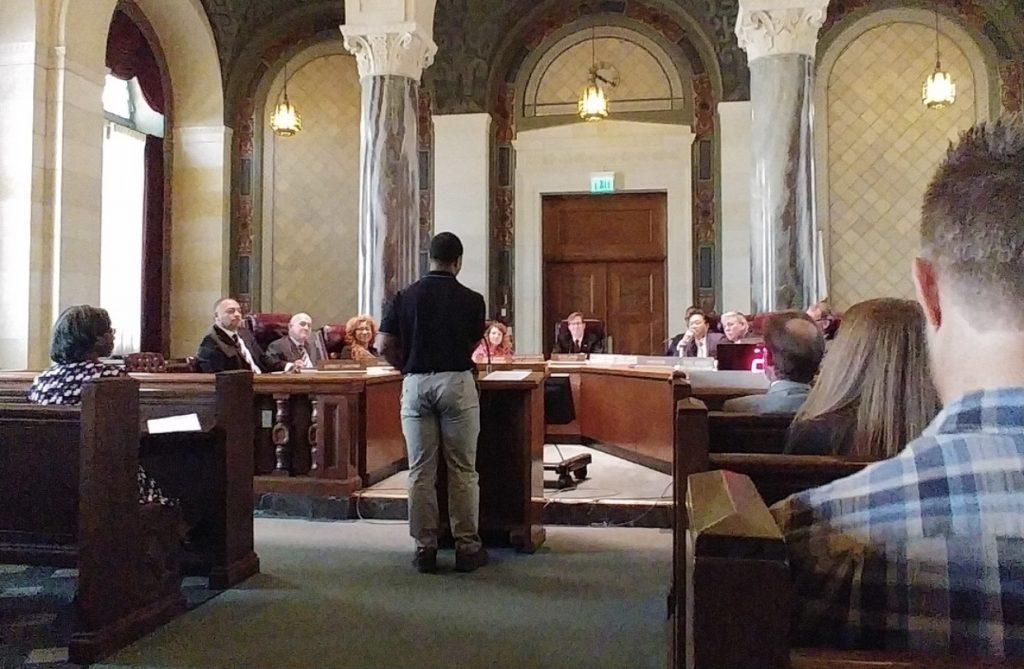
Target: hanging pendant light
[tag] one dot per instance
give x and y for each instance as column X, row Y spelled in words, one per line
column 939, row 91
column 593, row 105
column 285, row 121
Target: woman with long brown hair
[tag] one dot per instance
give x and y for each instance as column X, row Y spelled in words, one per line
column 360, row 331
column 496, row 340
column 874, row 393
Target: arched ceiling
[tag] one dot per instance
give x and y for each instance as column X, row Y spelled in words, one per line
column 473, row 35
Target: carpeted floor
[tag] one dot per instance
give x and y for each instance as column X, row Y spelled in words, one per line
column 336, row 595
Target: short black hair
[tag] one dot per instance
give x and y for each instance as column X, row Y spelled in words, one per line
column 445, row 248
column 76, row 331
column 796, row 349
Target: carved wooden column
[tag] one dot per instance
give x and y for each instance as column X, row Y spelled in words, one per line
column 392, row 42
column 314, row 430
column 780, row 37
column 281, row 435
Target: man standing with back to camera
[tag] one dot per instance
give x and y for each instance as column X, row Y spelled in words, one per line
column 429, row 331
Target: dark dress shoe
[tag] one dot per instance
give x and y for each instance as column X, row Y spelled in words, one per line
column 466, row 561
column 425, row 560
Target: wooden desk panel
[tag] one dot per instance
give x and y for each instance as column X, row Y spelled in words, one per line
column 632, row 415
column 382, row 447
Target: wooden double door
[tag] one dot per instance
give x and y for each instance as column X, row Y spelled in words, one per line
column 605, row 255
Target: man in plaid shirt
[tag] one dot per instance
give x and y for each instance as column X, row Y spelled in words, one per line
column 925, row 551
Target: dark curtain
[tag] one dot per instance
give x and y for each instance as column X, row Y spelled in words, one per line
column 129, row 54
column 153, row 246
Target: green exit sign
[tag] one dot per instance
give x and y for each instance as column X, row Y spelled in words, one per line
column 602, row 182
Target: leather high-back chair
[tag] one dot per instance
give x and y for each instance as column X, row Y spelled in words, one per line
column 267, row 328
column 595, row 325
column 332, row 338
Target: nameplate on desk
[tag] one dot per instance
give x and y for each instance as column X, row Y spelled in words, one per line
column 568, row 357
column 612, row 359
column 695, row 363
column 185, row 423
column 508, row 375
column 339, row 366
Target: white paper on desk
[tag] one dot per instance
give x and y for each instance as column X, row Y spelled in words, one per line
column 379, row 370
column 508, row 375
column 185, row 423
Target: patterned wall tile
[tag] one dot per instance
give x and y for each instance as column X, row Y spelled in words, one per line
column 315, row 181
column 641, row 76
column 883, row 146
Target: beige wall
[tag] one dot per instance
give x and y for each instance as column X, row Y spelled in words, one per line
column 311, row 193
column 882, row 146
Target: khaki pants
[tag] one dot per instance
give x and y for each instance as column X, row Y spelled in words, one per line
column 441, row 411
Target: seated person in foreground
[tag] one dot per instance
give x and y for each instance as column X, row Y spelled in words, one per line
column 228, row 346
column 735, row 327
column 295, row 346
column 360, row 332
column 577, row 339
column 874, row 393
column 495, row 344
column 697, row 341
column 793, row 352
column 825, row 317
column 924, row 551
column 81, row 336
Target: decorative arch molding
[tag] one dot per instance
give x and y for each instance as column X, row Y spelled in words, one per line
column 673, row 71
column 250, row 81
column 972, row 52
column 993, row 28
column 198, row 267
column 690, row 44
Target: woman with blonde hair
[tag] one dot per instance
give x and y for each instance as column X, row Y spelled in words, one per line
column 496, row 340
column 874, row 393
column 360, row 332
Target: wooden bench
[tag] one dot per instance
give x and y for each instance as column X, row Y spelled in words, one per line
column 69, row 497
column 747, row 433
column 775, row 476
column 739, row 592
column 210, row 471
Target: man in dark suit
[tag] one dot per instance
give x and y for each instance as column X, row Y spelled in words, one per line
column 697, row 341
column 577, row 339
column 295, row 346
column 229, row 346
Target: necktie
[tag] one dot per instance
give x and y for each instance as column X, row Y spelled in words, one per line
column 245, row 354
column 306, row 362
column 579, row 346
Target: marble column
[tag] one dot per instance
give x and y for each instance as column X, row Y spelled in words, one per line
column 390, row 60
column 779, row 37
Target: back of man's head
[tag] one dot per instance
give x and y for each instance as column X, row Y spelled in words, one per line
column 972, row 224
column 795, row 344
column 445, row 248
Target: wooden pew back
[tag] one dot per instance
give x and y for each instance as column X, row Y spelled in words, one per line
column 747, row 433
column 77, row 466
column 739, row 592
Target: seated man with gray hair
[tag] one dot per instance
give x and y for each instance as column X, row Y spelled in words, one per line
column 295, row 346
column 734, row 326
column 793, row 352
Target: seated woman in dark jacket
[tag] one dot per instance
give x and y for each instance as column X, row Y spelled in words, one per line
column 360, row 331
column 81, row 336
column 874, row 393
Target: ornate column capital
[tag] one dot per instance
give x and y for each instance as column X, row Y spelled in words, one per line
column 401, row 49
column 776, row 27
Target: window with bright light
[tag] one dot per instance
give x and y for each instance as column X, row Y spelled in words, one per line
column 129, row 120
column 121, row 233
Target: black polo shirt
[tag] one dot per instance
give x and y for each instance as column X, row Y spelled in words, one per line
column 438, row 322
